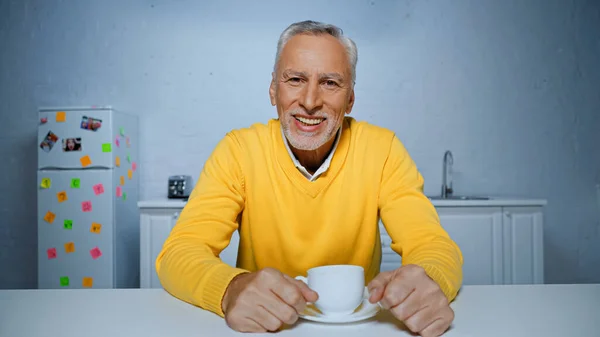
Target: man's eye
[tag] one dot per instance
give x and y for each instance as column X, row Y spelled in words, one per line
column 295, row 80
column 331, row 83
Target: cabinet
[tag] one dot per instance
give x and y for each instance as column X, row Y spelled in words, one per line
column 500, row 245
column 156, row 222
column 501, row 241
column 478, row 233
column 523, row 245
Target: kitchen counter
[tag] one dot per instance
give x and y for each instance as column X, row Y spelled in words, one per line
column 162, row 203
column 491, row 311
column 492, row 202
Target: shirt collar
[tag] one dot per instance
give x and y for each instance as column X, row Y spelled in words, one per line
column 323, row 168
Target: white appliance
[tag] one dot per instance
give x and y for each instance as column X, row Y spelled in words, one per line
column 88, row 220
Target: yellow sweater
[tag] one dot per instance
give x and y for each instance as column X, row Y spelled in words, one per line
column 287, row 222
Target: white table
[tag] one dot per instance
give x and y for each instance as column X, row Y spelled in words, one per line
column 491, row 311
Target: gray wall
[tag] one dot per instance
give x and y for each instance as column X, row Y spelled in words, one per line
column 511, row 87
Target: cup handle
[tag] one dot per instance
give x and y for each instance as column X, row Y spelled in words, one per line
column 302, row 278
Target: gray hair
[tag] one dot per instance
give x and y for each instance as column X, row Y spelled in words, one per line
column 319, row 28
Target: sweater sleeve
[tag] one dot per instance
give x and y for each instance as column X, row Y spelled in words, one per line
column 189, row 266
column 414, row 225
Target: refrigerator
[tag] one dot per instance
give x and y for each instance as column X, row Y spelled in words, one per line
column 87, row 193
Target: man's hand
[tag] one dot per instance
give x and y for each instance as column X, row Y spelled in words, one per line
column 264, row 300
column 413, row 298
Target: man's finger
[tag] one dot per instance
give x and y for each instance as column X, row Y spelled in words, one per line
column 281, row 302
column 395, row 293
column 377, row 285
column 381, row 280
column 376, row 294
column 251, row 325
column 308, row 294
column 266, row 319
column 420, row 319
column 407, row 306
column 435, row 329
column 243, row 323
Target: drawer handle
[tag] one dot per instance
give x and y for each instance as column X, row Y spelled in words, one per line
column 175, row 215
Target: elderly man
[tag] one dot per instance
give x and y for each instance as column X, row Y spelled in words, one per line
column 305, row 190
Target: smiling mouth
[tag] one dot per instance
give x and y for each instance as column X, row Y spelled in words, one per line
column 309, row 121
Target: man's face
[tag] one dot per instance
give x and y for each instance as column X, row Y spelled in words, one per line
column 312, row 89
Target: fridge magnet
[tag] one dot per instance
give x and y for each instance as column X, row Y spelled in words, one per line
column 69, row 247
column 117, row 142
column 106, row 147
column 85, row 161
column 64, row 281
column 129, row 174
column 95, row 228
column 129, row 158
column 48, row 143
column 119, row 192
column 43, row 118
column 61, row 116
column 51, row 252
column 118, row 161
column 127, row 141
column 124, row 196
column 89, row 123
column 45, row 183
column 133, row 166
column 71, row 144
column 62, row 196
column 86, row 206
column 75, row 182
column 49, row 217
column 122, row 180
column 87, row 282
column 98, row 189
column 68, row 224
column 122, row 132
column 95, row 253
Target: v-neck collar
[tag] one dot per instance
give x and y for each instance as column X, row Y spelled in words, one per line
column 312, row 188
column 324, row 166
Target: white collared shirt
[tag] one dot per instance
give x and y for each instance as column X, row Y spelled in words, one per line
column 325, row 164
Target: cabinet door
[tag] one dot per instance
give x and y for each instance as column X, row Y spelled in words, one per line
column 156, row 225
column 478, row 233
column 523, row 245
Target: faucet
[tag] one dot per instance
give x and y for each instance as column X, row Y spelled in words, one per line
column 447, row 186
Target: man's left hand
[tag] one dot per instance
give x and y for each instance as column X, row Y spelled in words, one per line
column 413, row 298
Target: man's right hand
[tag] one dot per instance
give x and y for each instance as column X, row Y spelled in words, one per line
column 264, row 300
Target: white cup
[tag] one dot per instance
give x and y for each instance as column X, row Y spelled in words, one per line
column 340, row 288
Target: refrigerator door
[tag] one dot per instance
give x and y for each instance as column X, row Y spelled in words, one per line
column 75, row 139
column 75, row 229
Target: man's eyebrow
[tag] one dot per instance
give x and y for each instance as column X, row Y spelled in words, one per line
column 333, row 76
column 292, row 73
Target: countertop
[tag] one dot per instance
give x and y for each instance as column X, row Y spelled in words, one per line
column 491, row 311
column 491, row 202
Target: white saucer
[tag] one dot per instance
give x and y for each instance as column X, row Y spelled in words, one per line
column 364, row 311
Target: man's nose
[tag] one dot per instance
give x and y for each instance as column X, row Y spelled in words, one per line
column 311, row 98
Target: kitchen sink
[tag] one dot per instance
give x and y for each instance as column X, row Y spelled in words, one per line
column 458, row 197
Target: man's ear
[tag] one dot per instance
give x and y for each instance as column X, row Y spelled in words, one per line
column 350, row 102
column 272, row 89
